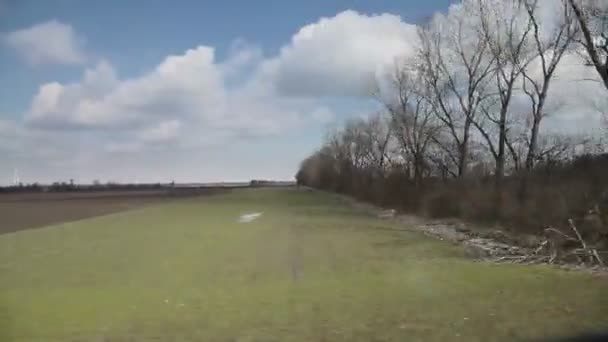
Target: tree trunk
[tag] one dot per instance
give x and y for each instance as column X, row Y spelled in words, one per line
column 418, row 165
column 463, row 148
column 500, row 158
column 531, row 156
column 500, row 163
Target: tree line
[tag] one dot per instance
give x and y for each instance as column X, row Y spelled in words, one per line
column 461, row 133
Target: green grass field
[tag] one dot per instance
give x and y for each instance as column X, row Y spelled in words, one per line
column 309, row 269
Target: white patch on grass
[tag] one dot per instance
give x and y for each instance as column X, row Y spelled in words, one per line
column 246, row 218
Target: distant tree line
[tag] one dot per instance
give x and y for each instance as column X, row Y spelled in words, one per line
column 72, row 187
column 460, row 133
column 268, row 183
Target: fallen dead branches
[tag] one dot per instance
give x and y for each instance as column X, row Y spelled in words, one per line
column 560, row 248
column 555, row 248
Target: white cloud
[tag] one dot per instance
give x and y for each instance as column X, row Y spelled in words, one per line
column 51, row 42
column 183, row 93
column 7, row 127
column 123, row 147
column 71, row 105
column 182, row 104
column 164, row 132
column 192, row 117
column 190, row 109
column 188, row 85
column 576, row 100
column 240, row 56
column 341, row 55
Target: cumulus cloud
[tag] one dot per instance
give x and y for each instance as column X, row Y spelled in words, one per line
column 191, row 116
column 51, row 42
column 188, row 85
column 338, row 55
column 341, row 55
column 71, row 105
column 185, row 101
column 241, row 55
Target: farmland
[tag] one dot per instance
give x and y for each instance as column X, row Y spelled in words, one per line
column 307, row 268
column 33, row 210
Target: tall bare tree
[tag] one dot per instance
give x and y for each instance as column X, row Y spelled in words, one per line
column 412, row 116
column 550, row 43
column 456, row 67
column 378, row 133
column 509, row 41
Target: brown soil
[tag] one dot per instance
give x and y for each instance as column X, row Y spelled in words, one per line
column 20, row 211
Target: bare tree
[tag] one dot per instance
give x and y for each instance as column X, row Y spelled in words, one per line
column 378, row 132
column 412, row 117
column 508, row 38
column 550, row 48
column 355, row 143
column 555, row 148
column 443, row 154
column 592, row 18
column 456, row 68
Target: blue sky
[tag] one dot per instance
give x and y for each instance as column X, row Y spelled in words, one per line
column 254, row 95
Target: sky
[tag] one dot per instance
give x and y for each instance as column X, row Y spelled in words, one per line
column 188, row 91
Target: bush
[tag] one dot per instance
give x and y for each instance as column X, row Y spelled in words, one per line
column 441, row 204
column 551, row 195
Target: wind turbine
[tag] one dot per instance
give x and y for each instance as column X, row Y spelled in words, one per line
column 16, row 180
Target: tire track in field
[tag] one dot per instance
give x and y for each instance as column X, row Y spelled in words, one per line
column 294, row 252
